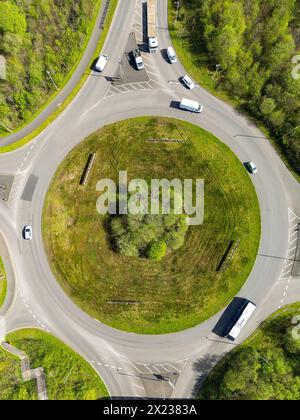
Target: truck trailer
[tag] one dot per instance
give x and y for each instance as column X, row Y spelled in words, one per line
column 152, row 33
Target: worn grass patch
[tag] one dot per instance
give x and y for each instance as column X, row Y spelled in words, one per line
column 184, row 288
column 68, row 376
column 3, row 283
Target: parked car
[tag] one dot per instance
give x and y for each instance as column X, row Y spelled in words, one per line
column 101, row 63
column 171, row 55
column 251, row 167
column 27, row 233
column 188, row 82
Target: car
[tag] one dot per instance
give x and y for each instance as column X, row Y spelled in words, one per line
column 171, row 55
column 251, row 167
column 188, row 82
column 101, row 63
column 27, row 232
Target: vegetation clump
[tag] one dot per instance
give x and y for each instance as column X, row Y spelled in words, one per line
column 256, row 43
column 41, row 42
column 266, row 367
column 148, row 236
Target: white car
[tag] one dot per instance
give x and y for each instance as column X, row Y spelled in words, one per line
column 171, row 55
column 27, row 232
column 251, row 167
column 188, row 82
column 101, row 63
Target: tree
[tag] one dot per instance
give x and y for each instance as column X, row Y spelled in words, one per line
column 11, row 18
column 157, row 250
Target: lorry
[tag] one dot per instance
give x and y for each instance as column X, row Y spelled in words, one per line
column 152, row 33
column 138, row 59
column 191, row 106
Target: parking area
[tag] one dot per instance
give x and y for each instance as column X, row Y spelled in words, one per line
column 127, row 72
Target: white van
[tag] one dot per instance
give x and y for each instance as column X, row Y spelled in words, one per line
column 171, row 55
column 191, row 106
column 101, row 63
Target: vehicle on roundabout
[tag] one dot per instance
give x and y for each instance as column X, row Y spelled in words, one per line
column 101, row 63
column 188, row 82
column 171, row 55
column 251, row 167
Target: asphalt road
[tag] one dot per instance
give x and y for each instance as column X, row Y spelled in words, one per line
column 122, row 359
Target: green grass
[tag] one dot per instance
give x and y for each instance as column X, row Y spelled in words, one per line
column 198, row 64
column 3, row 283
column 265, row 367
column 71, row 97
column 184, row 288
column 68, row 376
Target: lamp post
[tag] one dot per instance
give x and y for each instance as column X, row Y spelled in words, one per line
column 290, row 132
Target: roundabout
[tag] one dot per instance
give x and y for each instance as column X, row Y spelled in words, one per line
column 126, row 361
column 190, row 283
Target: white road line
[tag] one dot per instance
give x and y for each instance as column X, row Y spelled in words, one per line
column 154, row 367
column 140, row 85
column 135, row 366
column 146, row 366
column 164, row 368
column 138, row 386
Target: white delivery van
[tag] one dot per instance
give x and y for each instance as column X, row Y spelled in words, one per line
column 191, row 106
column 101, row 63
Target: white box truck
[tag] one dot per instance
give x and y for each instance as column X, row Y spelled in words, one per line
column 152, row 33
column 191, row 106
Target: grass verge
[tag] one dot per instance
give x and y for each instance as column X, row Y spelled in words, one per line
column 70, row 98
column 136, row 294
column 265, row 367
column 3, row 283
column 68, row 376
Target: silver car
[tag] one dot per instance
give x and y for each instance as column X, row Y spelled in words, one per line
column 171, row 55
column 27, row 232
